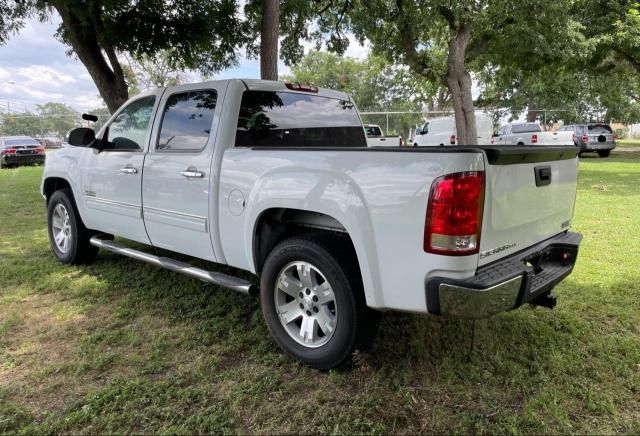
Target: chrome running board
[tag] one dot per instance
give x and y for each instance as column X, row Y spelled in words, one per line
column 216, row 278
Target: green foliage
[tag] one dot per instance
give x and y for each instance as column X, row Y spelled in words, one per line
column 374, row 84
column 49, row 119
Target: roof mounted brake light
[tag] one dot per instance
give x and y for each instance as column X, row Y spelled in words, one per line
column 295, row 86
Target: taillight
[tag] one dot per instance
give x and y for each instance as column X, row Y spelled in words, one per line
column 584, row 138
column 452, row 140
column 454, row 214
column 39, row 150
column 298, row 87
column 9, row 151
column 534, row 139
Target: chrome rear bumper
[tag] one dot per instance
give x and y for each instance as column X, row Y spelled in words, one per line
column 507, row 283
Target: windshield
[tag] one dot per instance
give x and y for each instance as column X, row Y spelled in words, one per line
column 598, row 129
column 25, row 141
column 525, row 128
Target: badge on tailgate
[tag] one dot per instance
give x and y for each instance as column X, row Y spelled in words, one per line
column 543, row 175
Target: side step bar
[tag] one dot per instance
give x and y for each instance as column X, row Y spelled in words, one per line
column 216, row 278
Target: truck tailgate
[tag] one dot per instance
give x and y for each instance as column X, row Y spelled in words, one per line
column 529, row 197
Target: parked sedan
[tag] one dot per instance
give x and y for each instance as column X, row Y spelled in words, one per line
column 596, row 137
column 20, row 150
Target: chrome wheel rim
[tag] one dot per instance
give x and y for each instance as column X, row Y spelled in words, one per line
column 306, row 304
column 61, row 228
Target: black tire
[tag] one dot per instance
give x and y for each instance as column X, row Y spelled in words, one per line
column 355, row 323
column 79, row 250
column 604, row 153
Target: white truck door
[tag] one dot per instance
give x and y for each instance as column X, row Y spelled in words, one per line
column 176, row 188
column 113, row 176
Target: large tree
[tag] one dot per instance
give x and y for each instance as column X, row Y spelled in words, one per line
column 198, row 34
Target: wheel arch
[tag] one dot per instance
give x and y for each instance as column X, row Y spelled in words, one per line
column 53, row 184
column 276, row 224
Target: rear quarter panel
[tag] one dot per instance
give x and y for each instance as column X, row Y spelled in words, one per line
column 378, row 196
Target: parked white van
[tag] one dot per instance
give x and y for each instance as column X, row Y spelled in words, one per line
column 442, row 131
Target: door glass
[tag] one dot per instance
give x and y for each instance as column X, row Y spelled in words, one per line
column 128, row 130
column 186, row 122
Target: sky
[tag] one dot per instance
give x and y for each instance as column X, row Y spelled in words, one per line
column 35, row 69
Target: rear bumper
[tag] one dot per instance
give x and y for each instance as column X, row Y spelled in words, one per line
column 505, row 284
column 23, row 159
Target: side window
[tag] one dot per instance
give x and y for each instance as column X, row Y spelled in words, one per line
column 128, row 129
column 186, row 121
column 288, row 119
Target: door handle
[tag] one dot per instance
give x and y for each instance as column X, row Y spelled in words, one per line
column 192, row 173
column 128, row 170
column 543, row 175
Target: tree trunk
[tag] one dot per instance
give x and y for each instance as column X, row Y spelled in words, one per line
column 269, row 39
column 532, row 115
column 108, row 77
column 459, row 83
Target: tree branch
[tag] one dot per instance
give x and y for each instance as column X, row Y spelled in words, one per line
column 482, row 43
column 448, row 15
column 635, row 64
column 408, row 38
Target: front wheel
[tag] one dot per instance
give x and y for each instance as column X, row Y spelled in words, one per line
column 313, row 303
column 68, row 236
column 604, row 153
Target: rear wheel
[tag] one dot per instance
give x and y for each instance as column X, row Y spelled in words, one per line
column 313, row 303
column 604, row 153
column 68, row 236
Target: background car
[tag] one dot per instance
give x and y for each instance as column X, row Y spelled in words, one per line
column 20, row 150
column 598, row 137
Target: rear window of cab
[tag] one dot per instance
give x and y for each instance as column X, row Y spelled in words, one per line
column 289, row 119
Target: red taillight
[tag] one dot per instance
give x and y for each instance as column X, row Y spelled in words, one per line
column 452, row 140
column 298, row 87
column 9, row 151
column 39, row 150
column 584, row 138
column 454, row 214
column 534, row 139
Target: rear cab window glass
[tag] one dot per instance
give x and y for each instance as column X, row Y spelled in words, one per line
column 128, row 130
column 186, row 121
column 525, row 128
column 373, row 131
column 287, row 119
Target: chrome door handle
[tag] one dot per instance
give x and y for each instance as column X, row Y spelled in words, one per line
column 192, row 173
column 128, row 170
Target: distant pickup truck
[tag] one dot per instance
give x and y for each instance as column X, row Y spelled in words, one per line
column 377, row 138
column 276, row 179
column 530, row 134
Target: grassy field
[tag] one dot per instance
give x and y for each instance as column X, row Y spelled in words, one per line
column 624, row 143
column 120, row 346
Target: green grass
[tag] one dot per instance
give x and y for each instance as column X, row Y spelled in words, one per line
column 624, row 143
column 121, row 346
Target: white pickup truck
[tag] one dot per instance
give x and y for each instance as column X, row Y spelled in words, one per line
column 276, row 179
column 377, row 138
column 530, row 134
